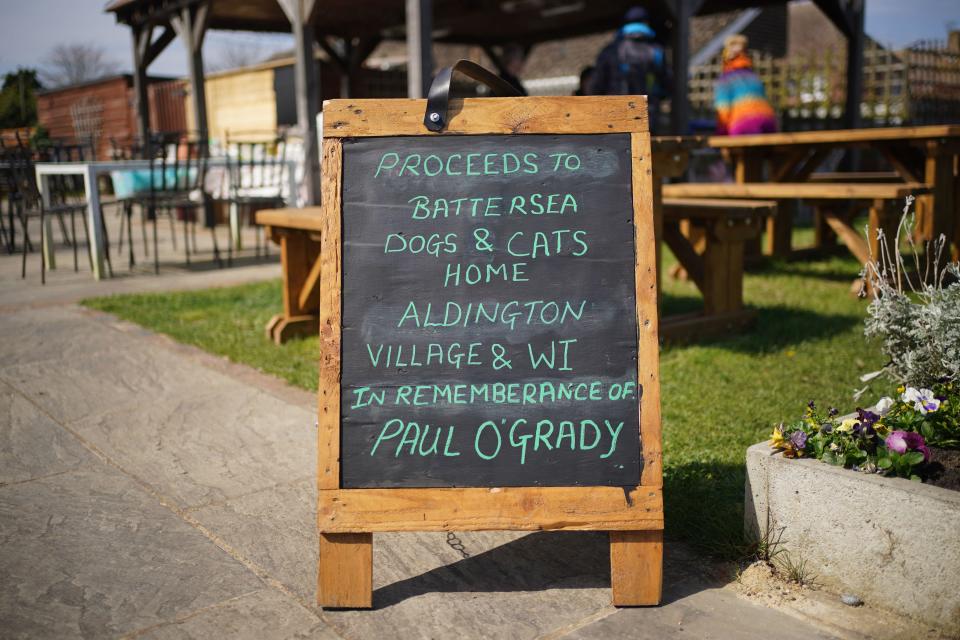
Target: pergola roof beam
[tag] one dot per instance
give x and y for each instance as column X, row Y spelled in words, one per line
column 155, row 48
column 482, row 22
column 336, row 57
column 837, row 13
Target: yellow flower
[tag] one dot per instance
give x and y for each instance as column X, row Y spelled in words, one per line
column 777, row 439
column 847, row 425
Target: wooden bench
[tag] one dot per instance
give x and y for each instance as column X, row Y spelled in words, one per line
column 885, row 200
column 859, row 177
column 708, row 235
column 297, row 231
column 824, row 236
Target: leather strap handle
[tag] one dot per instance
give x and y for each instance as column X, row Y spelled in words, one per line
column 438, row 100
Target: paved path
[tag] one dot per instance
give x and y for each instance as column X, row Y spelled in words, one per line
column 150, row 490
column 66, row 285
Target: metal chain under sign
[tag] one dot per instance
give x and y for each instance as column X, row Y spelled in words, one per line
column 456, row 544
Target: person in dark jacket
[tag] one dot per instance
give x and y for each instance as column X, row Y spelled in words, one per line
column 633, row 64
column 586, row 76
column 514, row 58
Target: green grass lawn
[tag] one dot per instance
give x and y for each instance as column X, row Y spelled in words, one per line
column 719, row 396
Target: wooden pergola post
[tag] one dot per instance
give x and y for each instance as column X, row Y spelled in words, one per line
column 140, row 35
column 307, row 87
column 419, row 47
column 683, row 11
column 855, row 45
column 847, row 16
column 190, row 23
column 145, row 51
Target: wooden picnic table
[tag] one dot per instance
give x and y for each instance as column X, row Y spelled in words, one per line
column 708, row 239
column 885, row 202
column 297, row 231
column 926, row 155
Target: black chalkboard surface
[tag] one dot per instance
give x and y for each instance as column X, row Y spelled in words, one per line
column 489, row 333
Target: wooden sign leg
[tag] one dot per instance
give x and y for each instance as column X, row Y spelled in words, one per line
column 636, row 567
column 345, row 572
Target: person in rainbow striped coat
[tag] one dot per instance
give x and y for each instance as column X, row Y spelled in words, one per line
column 739, row 96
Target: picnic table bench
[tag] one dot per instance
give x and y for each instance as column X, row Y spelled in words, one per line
column 708, row 238
column 855, row 176
column 297, row 231
column 927, row 155
column 885, row 203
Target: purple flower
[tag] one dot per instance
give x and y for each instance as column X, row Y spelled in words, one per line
column 901, row 441
column 916, row 442
column 867, row 417
column 897, row 441
column 913, row 439
column 798, row 439
column 833, row 411
column 922, row 400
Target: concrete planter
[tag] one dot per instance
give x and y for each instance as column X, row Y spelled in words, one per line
column 893, row 542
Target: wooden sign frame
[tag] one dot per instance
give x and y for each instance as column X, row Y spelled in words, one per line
column 347, row 518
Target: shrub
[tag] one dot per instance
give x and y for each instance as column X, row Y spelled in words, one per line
column 916, row 315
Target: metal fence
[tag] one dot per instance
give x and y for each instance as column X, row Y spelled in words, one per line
column 917, row 85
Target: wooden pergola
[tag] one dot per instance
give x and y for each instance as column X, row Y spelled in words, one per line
column 349, row 30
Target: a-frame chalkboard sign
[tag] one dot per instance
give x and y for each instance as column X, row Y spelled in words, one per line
column 488, row 325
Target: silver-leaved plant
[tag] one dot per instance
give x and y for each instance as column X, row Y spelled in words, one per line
column 915, row 314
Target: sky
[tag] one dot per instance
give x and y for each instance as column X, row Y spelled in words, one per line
column 892, row 22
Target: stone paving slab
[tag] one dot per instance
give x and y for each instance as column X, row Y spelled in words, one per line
column 103, row 381
column 259, row 615
column 285, row 516
column 88, row 553
column 22, row 428
column 54, row 334
column 204, row 448
column 65, row 286
column 708, row 614
column 275, row 529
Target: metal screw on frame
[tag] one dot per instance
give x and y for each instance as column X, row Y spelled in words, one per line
column 434, row 117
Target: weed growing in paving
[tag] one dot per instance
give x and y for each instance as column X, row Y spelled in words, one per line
column 795, row 569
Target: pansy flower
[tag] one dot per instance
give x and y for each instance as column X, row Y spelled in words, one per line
column 884, row 405
column 897, row 441
column 777, row 439
column 916, row 442
column 922, row 400
column 847, row 425
column 903, row 441
column 798, row 439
